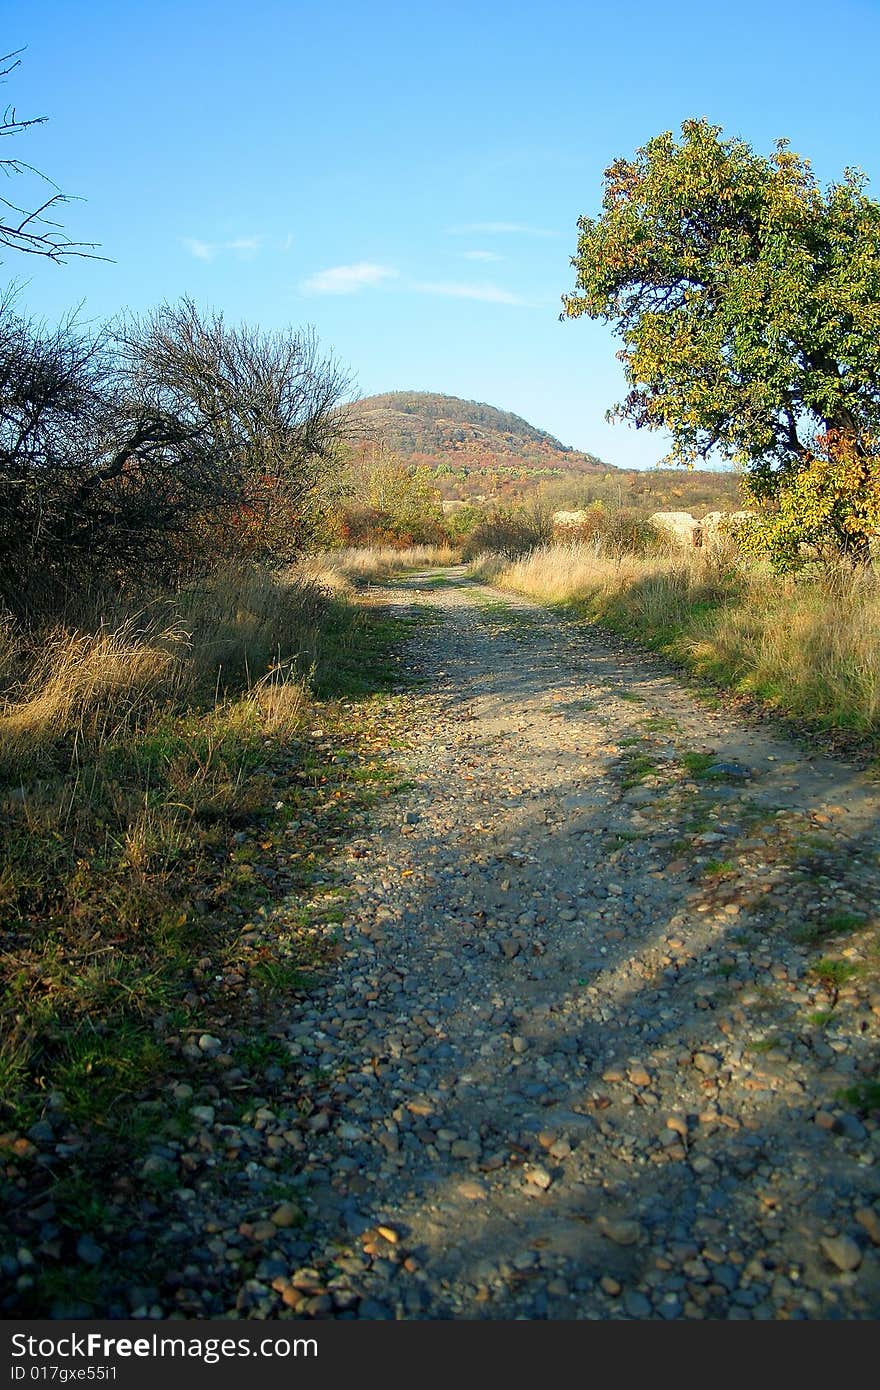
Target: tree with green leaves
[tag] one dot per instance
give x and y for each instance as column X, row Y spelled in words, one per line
column 747, row 299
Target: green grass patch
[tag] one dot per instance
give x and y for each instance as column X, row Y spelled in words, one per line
column 658, row 724
column 697, row 821
column 280, row 977
column 635, row 768
column 832, row 974
column 360, row 651
column 762, row 1045
column 719, row 868
column 835, row 924
column 260, row 1052
column 864, row 1096
column 698, row 764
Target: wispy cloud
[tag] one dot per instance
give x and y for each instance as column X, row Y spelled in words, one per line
column 347, row 279
column 350, row 279
column 500, row 229
column 202, row 250
column 490, row 294
column 243, row 247
column 481, row 256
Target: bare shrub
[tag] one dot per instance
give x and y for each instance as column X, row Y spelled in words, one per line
column 154, row 452
column 511, row 533
column 254, row 416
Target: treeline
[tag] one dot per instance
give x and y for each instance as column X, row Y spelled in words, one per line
column 649, row 490
column 379, row 498
column 155, row 449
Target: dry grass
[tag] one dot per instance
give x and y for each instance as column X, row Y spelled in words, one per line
column 560, row 573
column 336, row 568
column 125, row 752
column 75, row 690
column 90, row 685
column 129, row 754
column 808, row 645
column 241, row 624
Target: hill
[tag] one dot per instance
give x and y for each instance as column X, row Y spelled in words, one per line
column 480, row 454
column 435, row 429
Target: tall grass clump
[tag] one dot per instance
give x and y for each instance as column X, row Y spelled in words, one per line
column 233, row 634
column 373, row 564
column 88, row 686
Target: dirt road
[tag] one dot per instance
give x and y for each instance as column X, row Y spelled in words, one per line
column 600, row 999
column 600, row 1040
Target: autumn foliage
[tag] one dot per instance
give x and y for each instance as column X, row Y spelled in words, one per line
column 747, row 300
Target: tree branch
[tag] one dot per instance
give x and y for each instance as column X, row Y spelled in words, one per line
column 34, row 234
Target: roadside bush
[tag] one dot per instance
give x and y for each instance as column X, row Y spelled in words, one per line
column 154, row 451
column 509, row 532
column 459, row 524
column 372, row 526
column 614, row 531
column 386, row 502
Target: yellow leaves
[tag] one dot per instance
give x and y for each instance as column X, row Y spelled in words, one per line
column 829, row 505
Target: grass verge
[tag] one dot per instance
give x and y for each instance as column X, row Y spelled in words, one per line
column 173, row 787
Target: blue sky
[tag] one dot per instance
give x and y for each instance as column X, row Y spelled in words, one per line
column 405, row 177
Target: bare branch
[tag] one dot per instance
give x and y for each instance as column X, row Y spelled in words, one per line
column 158, row 449
column 34, row 234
